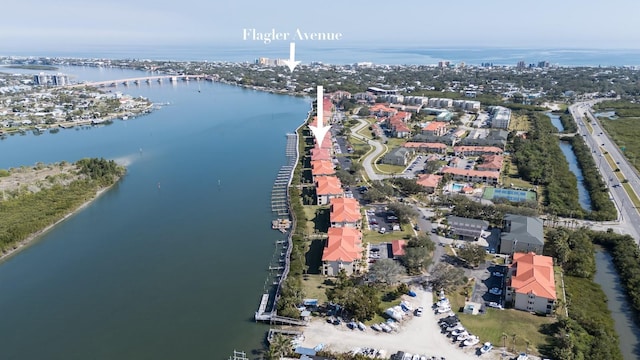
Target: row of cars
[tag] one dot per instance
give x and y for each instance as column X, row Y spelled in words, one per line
column 453, row 328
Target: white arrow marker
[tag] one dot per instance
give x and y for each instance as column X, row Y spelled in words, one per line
column 292, row 63
column 320, row 131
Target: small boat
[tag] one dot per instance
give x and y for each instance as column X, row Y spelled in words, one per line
column 361, row 326
column 376, row 327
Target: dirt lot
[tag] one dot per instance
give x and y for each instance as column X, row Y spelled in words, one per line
column 417, row 335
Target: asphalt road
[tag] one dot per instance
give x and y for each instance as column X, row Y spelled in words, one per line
column 629, row 219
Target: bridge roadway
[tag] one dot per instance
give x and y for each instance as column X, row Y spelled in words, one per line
column 142, row 79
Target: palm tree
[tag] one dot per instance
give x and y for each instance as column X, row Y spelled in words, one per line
column 528, row 343
column 279, row 346
column 504, row 343
column 513, row 342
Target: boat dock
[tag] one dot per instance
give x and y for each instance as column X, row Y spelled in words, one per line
column 279, row 268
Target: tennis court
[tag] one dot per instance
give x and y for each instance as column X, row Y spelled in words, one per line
column 509, row 194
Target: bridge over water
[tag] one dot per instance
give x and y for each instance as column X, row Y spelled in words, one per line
column 144, row 79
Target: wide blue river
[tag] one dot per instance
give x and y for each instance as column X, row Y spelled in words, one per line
column 171, row 262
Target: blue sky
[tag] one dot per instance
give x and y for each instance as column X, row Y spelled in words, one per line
column 65, row 24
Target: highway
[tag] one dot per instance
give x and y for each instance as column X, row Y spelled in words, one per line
column 598, row 141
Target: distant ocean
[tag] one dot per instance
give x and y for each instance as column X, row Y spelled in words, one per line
column 391, row 55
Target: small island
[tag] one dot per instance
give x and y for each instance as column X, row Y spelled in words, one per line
column 34, row 199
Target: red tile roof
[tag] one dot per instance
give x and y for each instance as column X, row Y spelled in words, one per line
column 328, row 185
column 434, row 126
column 491, row 163
column 344, row 210
column 322, row 167
column 424, row 145
column 320, row 154
column 343, row 244
column 478, row 149
column 397, row 247
column 429, row 180
column 534, row 274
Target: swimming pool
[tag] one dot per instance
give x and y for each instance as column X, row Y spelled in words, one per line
column 457, row 187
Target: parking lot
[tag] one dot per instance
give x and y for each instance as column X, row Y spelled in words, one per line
column 486, row 279
column 416, row 166
column 378, row 218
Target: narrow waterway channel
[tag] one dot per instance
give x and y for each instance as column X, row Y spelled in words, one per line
column 629, row 333
column 570, row 156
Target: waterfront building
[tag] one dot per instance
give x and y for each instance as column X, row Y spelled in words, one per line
column 327, row 188
column 343, row 251
column 500, row 117
column 531, row 283
column 345, row 212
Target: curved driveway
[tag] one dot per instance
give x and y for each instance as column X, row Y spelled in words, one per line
column 368, row 160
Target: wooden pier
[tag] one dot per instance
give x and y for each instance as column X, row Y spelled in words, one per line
column 279, row 269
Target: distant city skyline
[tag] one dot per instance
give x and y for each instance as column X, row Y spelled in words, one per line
column 69, row 24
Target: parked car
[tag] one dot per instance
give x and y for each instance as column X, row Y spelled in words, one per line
column 418, row 311
column 498, row 274
column 486, row 348
column 495, row 305
column 495, row 291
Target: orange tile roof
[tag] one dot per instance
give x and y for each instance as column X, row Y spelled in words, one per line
column 320, row 154
column 478, row 149
column 344, row 210
column 322, row 167
column 433, row 126
column 470, row 172
column 343, row 244
column 425, row 145
column 429, row 180
column 328, row 185
column 397, row 247
column 491, row 163
column 534, row 274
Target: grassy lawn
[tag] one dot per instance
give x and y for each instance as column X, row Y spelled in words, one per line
column 589, row 127
column 491, row 326
column 389, row 169
column 514, row 178
column 317, row 218
column 375, row 237
column 625, row 133
column 632, row 195
column 519, row 123
column 560, row 305
column 613, row 164
column 314, row 287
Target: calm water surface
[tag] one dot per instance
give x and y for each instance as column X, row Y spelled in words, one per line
column 171, row 262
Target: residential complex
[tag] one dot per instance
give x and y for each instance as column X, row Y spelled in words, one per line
column 531, row 284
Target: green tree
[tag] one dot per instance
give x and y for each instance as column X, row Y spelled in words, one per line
column 279, row 346
column 446, row 277
column 386, row 271
column 473, row 254
column 405, row 213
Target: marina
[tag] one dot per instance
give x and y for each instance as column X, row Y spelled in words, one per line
column 267, row 310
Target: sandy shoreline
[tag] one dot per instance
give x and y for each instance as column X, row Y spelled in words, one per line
column 416, row 335
column 23, row 244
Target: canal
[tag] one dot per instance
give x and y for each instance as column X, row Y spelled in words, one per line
column 570, row 156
